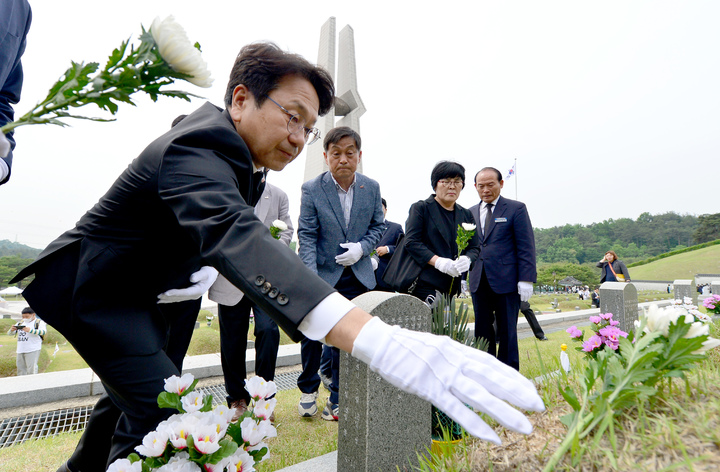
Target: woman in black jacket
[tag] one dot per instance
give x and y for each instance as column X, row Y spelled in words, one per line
column 613, row 270
column 431, row 234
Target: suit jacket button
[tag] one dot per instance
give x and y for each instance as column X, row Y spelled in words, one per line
column 273, row 293
column 259, row 280
column 282, row 299
column 265, row 288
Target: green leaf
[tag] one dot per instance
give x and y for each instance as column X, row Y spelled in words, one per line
column 227, row 449
column 569, row 396
column 170, row 400
column 207, row 403
column 235, row 432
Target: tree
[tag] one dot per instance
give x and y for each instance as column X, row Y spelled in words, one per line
column 708, row 228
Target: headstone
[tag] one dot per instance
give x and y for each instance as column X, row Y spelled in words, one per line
column 620, row 299
column 382, row 427
column 715, row 287
column 686, row 288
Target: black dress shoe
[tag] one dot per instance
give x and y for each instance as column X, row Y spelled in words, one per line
column 543, row 338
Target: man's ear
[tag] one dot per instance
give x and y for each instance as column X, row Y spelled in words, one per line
column 359, row 156
column 241, row 99
column 325, row 157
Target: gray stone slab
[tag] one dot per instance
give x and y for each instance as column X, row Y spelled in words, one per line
column 326, row 463
column 382, row 427
column 715, row 287
column 620, row 299
column 685, row 288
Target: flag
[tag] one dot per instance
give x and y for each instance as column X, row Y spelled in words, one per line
column 56, row 349
column 511, row 172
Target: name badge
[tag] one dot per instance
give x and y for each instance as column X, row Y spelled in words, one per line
column 500, row 220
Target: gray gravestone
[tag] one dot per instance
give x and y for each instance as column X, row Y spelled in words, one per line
column 382, row 427
column 715, row 287
column 620, row 299
column 686, row 288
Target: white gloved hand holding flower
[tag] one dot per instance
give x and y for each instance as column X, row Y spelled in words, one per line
column 446, row 266
column 353, row 254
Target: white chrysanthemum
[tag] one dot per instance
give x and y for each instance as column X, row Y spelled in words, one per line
column 177, row 50
column 241, row 461
column 180, row 462
column 710, row 343
column 264, row 408
column 153, row 444
column 697, row 329
column 468, row 226
column 224, row 412
column 206, row 439
column 280, row 224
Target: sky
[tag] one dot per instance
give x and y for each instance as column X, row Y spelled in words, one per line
column 610, row 109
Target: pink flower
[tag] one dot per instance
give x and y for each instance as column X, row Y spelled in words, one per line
column 593, row 343
column 606, row 316
column 612, row 332
column 614, row 323
column 612, row 344
column 574, row 332
column 595, row 319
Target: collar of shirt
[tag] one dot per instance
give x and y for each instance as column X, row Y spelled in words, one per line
column 494, row 203
column 340, row 189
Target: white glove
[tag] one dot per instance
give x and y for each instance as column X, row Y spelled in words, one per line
column 353, row 254
column 462, row 264
column 446, row 266
column 525, row 289
column 449, row 375
column 4, row 145
column 201, row 282
column 374, row 262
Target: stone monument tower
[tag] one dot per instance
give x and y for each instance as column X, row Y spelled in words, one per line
column 348, row 105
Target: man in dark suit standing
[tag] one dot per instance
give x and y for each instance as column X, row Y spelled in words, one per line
column 340, row 223
column 385, row 249
column 505, row 272
column 187, row 202
column 234, row 314
column 15, row 18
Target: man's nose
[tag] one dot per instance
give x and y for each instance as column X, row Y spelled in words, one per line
column 297, row 139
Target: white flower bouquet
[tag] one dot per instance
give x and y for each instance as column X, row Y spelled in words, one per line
column 164, row 54
column 201, row 438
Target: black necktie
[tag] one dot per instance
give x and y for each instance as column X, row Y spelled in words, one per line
column 488, row 217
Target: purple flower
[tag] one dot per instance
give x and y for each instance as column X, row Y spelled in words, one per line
column 593, row 343
column 612, row 344
column 612, row 333
column 606, row 316
column 595, row 319
column 614, row 323
column 574, row 332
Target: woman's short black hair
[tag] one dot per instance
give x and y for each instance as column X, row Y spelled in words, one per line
column 447, row 170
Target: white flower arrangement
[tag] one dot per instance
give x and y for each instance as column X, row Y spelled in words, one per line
column 468, row 226
column 201, row 438
column 164, row 54
column 277, row 227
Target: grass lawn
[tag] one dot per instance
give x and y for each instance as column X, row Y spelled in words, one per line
column 680, row 266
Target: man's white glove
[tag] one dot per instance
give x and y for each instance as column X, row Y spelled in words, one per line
column 4, row 145
column 201, row 282
column 462, row 264
column 525, row 289
column 449, row 375
column 374, row 262
column 446, row 266
column 353, row 254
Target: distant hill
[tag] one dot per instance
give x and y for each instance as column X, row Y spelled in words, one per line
column 680, row 266
column 9, row 248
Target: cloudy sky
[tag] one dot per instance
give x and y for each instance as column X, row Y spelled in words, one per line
column 610, row 108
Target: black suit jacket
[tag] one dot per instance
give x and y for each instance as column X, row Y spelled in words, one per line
column 508, row 248
column 427, row 236
column 389, row 238
column 185, row 202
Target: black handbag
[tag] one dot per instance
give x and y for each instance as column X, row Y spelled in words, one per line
column 402, row 271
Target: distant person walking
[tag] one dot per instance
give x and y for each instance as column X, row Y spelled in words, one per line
column 30, row 334
column 613, row 269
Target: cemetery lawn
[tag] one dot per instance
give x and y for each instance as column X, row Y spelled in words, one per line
column 678, row 432
column 680, row 266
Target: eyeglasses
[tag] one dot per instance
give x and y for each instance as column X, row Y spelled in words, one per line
column 297, row 123
column 451, row 183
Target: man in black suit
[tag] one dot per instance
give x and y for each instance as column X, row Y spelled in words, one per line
column 385, row 249
column 187, row 202
column 505, row 272
column 15, row 18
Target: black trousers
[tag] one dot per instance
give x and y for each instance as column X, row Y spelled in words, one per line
column 234, row 324
column 311, row 351
column 127, row 412
column 531, row 319
column 503, row 309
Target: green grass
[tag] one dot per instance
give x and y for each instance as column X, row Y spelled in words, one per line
column 680, row 266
